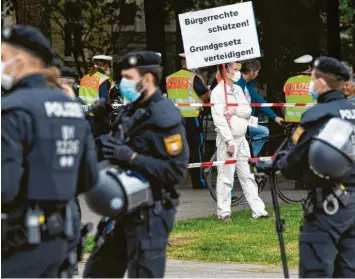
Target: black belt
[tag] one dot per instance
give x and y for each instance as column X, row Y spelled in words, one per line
column 167, row 202
column 140, row 214
column 328, row 202
column 18, row 235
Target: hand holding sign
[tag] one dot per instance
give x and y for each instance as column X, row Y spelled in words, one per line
column 219, row 35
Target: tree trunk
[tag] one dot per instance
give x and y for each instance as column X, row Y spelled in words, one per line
column 291, row 30
column 3, row 13
column 155, row 32
column 73, row 29
column 178, row 9
column 34, row 13
column 333, row 28
column 353, row 27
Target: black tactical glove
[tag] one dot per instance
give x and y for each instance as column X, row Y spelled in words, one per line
column 99, row 117
column 100, row 109
column 280, row 155
column 114, row 150
column 267, row 166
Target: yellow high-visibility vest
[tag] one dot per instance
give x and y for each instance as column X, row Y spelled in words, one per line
column 89, row 87
column 296, row 90
column 180, row 90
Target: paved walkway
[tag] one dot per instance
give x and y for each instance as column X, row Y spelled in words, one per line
column 199, row 203
column 193, row 203
column 183, row 269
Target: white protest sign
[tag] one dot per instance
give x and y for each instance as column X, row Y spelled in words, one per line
column 219, row 35
column 253, row 121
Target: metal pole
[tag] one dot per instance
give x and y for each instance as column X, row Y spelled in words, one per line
column 353, row 33
column 333, row 29
column 280, row 223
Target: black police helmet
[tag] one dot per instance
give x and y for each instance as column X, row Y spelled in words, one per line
column 143, row 59
column 107, row 197
column 31, row 39
column 327, row 162
column 69, row 73
column 332, row 66
column 331, row 152
column 118, row 192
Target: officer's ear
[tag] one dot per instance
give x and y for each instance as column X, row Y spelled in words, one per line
column 148, row 80
column 321, row 86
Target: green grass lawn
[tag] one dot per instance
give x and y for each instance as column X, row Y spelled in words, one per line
column 89, row 244
column 245, row 240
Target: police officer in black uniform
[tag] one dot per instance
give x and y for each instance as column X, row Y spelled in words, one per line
column 327, row 239
column 71, row 78
column 47, row 157
column 150, row 139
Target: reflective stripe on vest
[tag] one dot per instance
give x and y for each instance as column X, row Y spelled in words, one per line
column 180, row 90
column 89, row 87
column 296, row 90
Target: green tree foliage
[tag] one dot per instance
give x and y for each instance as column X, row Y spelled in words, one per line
column 347, row 14
column 347, row 27
column 87, row 27
column 286, row 29
column 94, row 26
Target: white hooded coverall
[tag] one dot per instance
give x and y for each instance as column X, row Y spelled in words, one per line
column 233, row 135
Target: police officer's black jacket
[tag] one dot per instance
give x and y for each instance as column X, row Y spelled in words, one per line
column 158, row 136
column 295, row 164
column 47, row 150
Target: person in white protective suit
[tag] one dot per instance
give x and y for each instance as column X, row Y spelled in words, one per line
column 231, row 126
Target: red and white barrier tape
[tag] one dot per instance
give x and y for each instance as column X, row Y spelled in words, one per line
column 252, row 105
column 227, row 162
column 235, row 105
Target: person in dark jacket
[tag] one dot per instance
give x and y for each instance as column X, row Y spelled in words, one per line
column 150, row 140
column 327, row 238
column 47, row 158
column 71, row 78
column 250, row 70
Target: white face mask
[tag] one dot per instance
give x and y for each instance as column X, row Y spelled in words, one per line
column 236, row 76
column 107, row 72
column 7, row 81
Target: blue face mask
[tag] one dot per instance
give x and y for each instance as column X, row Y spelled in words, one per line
column 128, row 89
column 312, row 92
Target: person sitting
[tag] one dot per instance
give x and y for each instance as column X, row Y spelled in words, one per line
column 250, row 70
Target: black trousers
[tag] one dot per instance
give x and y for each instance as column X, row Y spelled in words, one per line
column 137, row 243
column 42, row 261
column 72, row 247
column 327, row 245
column 195, row 140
